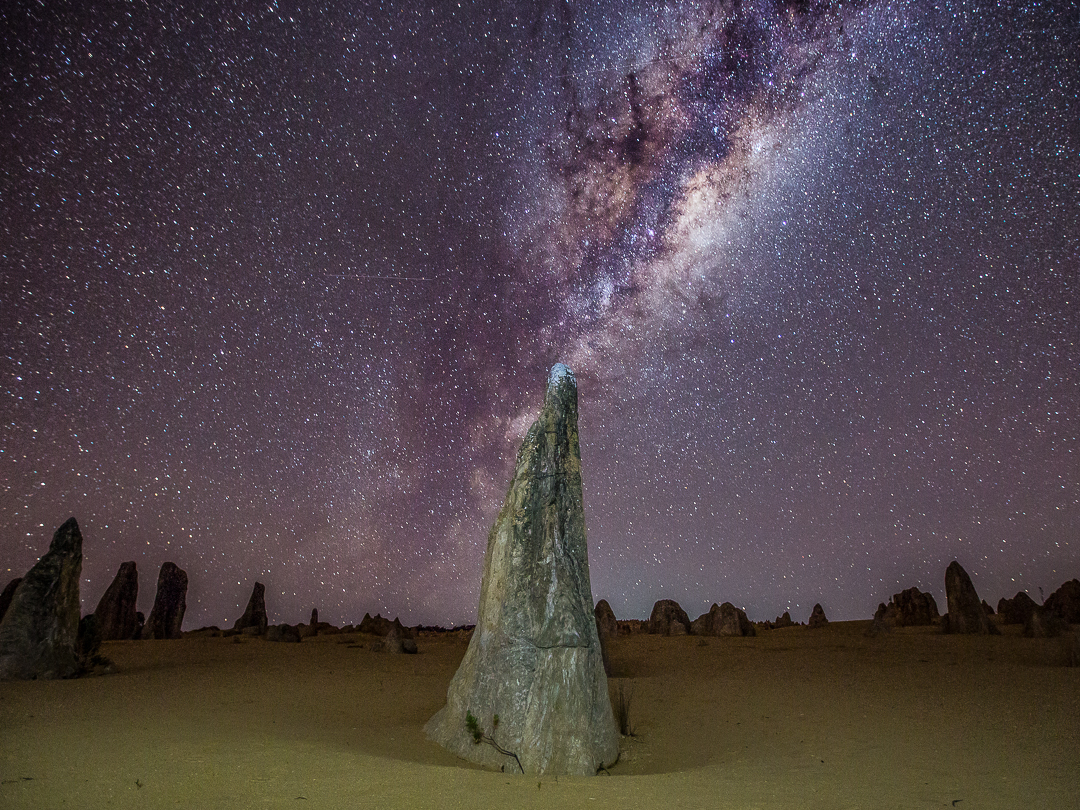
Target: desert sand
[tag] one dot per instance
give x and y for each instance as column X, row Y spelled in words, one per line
column 794, row 718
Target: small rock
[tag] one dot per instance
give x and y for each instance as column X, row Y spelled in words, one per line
column 255, row 613
column 666, row 613
column 783, row 621
column 817, row 617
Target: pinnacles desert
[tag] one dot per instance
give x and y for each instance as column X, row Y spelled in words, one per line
column 550, row 701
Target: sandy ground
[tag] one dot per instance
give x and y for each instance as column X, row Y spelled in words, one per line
column 795, row 718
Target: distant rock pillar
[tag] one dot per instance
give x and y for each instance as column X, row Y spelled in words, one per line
column 534, row 660
column 116, row 611
column 40, row 629
column 966, row 613
column 167, row 615
column 255, row 614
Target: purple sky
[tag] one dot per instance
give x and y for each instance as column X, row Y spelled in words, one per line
column 280, row 286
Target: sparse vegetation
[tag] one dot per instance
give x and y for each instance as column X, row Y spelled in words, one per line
column 621, row 698
column 480, row 736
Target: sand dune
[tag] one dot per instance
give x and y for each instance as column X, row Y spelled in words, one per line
column 793, row 718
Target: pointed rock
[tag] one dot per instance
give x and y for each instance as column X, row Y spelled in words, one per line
column 606, row 623
column 817, row 617
column 40, row 629
column 255, row 614
column 532, row 676
column 116, row 614
column 167, row 615
column 966, row 614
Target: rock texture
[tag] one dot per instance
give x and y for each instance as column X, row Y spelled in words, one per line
column 534, row 659
column 1043, row 623
column 396, row 641
column 607, row 626
column 911, row 608
column 817, row 617
column 255, row 612
column 40, row 631
column 1016, row 610
column 115, row 612
column 1065, row 602
column 377, row 626
column 668, row 619
column 966, row 614
column 783, row 621
column 5, row 596
column 167, row 614
column 725, row 620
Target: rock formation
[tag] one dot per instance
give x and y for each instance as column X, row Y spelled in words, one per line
column 116, row 610
column 966, row 614
column 89, row 640
column 911, row 608
column 783, row 621
column 1043, row 623
column 1016, row 610
column 314, row 617
column 167, row 615
column 397, row 640
column 817, row 617
column 534, row 660
column 5, row 596
column 668, row 619
column 879, row 625
column 377, row 626
column 40, row 631
column 255, row 613
column 607, row 626
column 725, row 620
column 1065, row 602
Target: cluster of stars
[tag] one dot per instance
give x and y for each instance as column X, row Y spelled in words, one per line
column 281, row 288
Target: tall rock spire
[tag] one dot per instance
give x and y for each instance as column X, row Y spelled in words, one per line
column 39, row 630
column 533, row 676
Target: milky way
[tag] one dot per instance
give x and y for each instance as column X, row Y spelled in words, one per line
column 281, row 285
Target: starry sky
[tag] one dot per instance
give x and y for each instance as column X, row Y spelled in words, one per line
column 280, row 285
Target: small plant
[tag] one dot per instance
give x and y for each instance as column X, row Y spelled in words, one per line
column 622, row 697
column 478, row 735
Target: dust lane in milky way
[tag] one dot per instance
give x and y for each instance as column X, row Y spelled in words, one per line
column 281, row 287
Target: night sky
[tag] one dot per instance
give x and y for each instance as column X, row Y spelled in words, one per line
column 280, row 286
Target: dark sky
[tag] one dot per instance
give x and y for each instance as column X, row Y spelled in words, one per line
column 280, row 286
